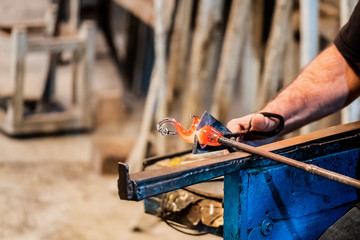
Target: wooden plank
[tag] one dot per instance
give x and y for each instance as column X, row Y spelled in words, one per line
column 19, row 50
column 144, row 9
column 74, row 15
column 204, row 57
column 250, row 69
column 232, row 50
column 54, row 44
column 309, row 44
column 160, row 58
column 50, row 18
column 179, row 49
column 272, row 76
column 31, row 25
column 88, row 34
column 138, row 152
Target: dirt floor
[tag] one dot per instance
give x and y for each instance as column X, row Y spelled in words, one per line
column 50, row 190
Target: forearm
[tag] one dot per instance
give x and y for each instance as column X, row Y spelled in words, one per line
column 324, row 87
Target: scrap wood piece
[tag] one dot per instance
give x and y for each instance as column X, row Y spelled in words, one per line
column 160, row 58
column 179, row 48
column 204, row 56
column 235, row 37
column 250, row 66
column 144, row 10
column 138, row 152
column 156, row 94
column 274, row 53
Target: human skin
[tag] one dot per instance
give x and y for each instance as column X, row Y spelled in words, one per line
column 326, row 85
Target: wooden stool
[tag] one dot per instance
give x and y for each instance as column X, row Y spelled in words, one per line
column 22, row 41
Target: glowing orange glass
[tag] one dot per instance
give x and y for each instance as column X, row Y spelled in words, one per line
column 207, row 135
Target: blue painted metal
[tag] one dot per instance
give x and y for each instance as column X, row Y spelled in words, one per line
column 282, row 202
column 264, row 199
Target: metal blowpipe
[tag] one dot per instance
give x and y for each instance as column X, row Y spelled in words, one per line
column 291, row 162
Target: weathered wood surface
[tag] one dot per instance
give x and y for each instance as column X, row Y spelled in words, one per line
column 203, row 59
column 160, row 58
column 179, row 49
column 250, row 64
column 138, row 152
column 232, row 51
column 76, row 116
column 309, row 42
column 145, row 10
column 156, row 96
column 272, row 76
column 19, row 51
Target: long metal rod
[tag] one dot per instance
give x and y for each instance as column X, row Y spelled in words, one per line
column 291, row 162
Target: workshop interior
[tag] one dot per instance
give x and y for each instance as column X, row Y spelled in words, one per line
column 113, row 121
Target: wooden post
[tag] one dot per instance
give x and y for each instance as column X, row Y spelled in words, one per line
column 250, row 64
column 176, row 72
column 275, row 51
column 309, row 42
column 88, row 35
column 309, row 45
column 352, row 112
column 50, row 18
column 19, row 50
column 160, row 58
column 203, row 60
column 138, row 152
column 156, row 93
column 232, row 50
column 74, row 17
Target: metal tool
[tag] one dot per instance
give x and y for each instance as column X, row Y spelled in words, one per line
column 291, row 162
column 228, row 142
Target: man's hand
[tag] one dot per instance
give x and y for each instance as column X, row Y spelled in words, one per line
column 258, row 122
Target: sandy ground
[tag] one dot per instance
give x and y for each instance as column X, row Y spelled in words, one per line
column 49, row 190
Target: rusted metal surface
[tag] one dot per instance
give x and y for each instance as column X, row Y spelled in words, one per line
column 153, row 182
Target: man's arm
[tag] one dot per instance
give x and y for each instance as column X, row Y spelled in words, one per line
column 325, row 86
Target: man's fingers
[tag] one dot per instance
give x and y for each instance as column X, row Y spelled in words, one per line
column 258, row 123
column 263, row 124
column 238, row 124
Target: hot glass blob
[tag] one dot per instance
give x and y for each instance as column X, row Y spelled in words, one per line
column 207, row 135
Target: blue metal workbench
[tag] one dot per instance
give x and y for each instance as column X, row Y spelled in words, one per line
column 263, row 199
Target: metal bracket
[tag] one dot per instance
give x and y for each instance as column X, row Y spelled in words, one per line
column 125, row 185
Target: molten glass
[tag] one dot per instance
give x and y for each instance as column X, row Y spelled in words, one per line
column 207, row 135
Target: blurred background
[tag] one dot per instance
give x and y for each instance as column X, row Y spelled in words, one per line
column 84, row 82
